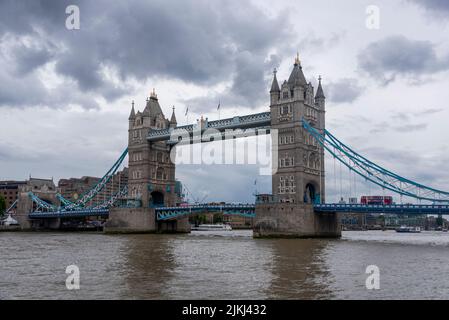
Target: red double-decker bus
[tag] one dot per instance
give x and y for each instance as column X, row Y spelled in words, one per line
column 379, row 200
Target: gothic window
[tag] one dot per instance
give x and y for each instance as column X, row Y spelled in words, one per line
column 159, row 157
column 137, row 156
column 285, row 95
column 160, row 173
column 134, row 192
column 137, row 174
column 292, row 139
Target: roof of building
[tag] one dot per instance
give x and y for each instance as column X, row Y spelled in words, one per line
column 275, row 84
column 173, row 117
column 319, row 91
column 132, row 115
column 297, row 76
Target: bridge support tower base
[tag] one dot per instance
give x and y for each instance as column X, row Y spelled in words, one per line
column 288, row 220
column 142, row 220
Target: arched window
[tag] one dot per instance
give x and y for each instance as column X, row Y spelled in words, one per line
column 160, row 173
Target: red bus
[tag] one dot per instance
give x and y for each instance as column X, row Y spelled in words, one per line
column 379, row 200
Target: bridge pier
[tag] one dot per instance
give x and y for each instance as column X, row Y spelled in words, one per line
column 142, row 220
column 289, row 220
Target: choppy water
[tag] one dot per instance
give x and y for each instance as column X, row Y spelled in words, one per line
column 224, row 265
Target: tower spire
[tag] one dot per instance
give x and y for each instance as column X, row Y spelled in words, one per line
column 319, row 91
column 173, row 121
column 132, row 115
column 275, row 84
column 297, row 61
column 297, row 76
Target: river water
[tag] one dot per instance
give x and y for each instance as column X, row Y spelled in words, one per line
column 223, row 265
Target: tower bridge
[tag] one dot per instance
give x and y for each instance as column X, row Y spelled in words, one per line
column 151, row 201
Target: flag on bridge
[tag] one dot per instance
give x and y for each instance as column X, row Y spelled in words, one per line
column 187, row 110
column 218, row 108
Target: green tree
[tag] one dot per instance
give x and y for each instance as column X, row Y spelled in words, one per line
column 439, row 221
column 2, row 205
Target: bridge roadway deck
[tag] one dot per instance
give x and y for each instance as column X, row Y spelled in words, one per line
column 165, row 213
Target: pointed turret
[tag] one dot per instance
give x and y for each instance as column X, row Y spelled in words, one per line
column 132, row 115
column 275, row 92
column 320, row 99
column 173, row 121
column 297, row 76
column 152, row 108
column 319, row 91
column 275, row 84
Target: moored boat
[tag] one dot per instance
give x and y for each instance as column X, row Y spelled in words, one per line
column 405, row 229
column 212, row 227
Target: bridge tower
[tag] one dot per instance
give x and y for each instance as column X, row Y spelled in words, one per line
column 46, row 190
column 299, row 181
column 151, row 173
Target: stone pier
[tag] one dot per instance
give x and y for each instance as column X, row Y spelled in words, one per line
column 285, row 220
column 142, row 220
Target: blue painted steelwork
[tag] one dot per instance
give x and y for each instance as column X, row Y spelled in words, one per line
column 111, row 201
column 393, row 208
column 89, row 195
column 64, row 202
column 104, row 212
column 244, row 210
column 373, row 172
column 11, row 206
column 252, row 124
column 42, row 204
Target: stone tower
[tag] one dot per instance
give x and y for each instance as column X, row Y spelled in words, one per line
column 300, row 174
column 151, row 173
column 298, row 182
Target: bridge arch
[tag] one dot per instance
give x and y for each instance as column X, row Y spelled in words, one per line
column 156, row 199
column 310, row 193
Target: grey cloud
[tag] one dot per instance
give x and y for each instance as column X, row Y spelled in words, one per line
column 315, row 44
column 395, row 56
column 410, row 127
column 193, row 41
column 412, row 164
column 438, row 8
column 401, row 116
column 219, row 177
column 344, row 90
column 380, row 127
column 250, row 85
column 429, row 111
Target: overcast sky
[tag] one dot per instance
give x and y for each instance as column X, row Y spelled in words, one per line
column 65, row 95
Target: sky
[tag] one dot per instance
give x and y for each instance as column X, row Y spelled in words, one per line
column 65, row 94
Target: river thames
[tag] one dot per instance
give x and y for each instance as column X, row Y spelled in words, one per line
column 224, row 265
